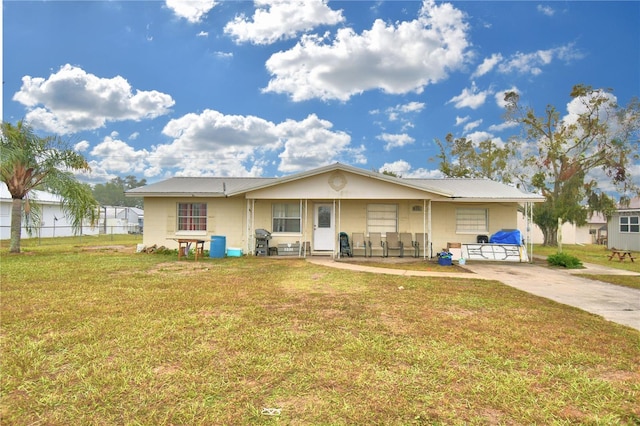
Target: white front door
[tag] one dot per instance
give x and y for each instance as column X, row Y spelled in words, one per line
column 323, row 228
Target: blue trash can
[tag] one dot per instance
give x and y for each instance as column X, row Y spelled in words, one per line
column 218, row 246
column 444, row 258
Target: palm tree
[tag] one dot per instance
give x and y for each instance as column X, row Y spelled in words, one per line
column 31, row 162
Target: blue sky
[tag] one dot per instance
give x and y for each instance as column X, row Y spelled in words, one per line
column 238, row 88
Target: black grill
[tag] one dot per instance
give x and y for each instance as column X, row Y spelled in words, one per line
column 262, row 242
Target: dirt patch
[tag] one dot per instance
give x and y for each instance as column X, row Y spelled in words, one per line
column 184, row 267
column 116, row 248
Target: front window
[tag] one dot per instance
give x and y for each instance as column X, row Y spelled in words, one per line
column 630, row 224
column 382, row 218
column 472, row 220
column 286, row 217
column 192, row 216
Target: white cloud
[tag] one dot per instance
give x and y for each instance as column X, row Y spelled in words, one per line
column 211, row 143
column 274, row 20
column 503, row 126
column 310, row 143
column 470, row 97
column 191, row 10
column 81, row 146
column 527, row 63
column 411, row 107
column 462, row 120
column 472, row 125
column 546, row 10
column 119, row 157
column 401, row 111
column 532, row 63
column 477, row 137
column 487, row 65
column 403, row 169
column 395, row 140
column 223, row 55
column 395, row 58
column 72, row 100
column 96, row 175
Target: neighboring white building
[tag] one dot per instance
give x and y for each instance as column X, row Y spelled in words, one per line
column 121, row 220
column 593, row 232
column 53, row 223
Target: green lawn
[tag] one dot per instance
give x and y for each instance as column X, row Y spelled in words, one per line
column 590, row 253
column 599, row 255
column 101, row 335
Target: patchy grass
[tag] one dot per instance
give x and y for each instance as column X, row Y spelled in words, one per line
column 107, row 336
column 624, row 280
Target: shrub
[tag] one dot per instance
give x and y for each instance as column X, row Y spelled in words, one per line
column 564, row 259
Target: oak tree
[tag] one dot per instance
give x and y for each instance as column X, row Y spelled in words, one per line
column 579, row 162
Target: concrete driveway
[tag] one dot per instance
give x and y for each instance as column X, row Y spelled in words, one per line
column 614, row 303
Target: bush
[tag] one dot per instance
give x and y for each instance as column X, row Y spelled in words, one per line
column 564, row 259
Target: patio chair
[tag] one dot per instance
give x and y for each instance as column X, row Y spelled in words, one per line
column 393, row 243
column 375, row 243
column 406, row 240
column 420, row 244
column 358, row 243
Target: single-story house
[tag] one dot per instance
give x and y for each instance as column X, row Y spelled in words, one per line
column 624, row 227
column 53, row 220
column 311, row 209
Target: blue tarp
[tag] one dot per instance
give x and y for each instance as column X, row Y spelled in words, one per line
column 506, row 236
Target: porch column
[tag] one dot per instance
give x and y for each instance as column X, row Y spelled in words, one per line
column 305, row 219
column 251, row 235
column 336, row 213
column 528, row 209
column 430, row 242
column 247, row 227
column 425, row 238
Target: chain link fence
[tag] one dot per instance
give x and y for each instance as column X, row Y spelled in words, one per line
column 56, row 235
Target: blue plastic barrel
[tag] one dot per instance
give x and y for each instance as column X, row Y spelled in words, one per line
column 218, row 246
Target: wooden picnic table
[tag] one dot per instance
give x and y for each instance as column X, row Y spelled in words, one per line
column 621, row 254
column 184, row 244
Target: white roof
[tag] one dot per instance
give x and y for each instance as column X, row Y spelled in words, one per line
column 198, row 186
column 475, row 188
column 452, row 189
column 41, row 197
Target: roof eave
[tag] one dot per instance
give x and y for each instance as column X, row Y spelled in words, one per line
column 176, row 194
column 493, row 199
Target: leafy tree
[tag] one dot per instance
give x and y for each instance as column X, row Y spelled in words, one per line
column 562, row 156
column 461, row 157
column 112, row 192
column 31, row 162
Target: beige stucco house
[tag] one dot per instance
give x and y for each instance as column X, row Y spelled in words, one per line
column 312, row 209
